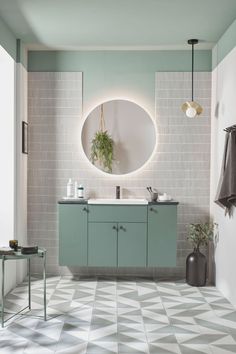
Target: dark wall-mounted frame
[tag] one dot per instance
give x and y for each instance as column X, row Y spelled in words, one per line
column 25, row 138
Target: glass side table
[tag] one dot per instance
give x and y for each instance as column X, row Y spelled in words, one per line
column 42, row 254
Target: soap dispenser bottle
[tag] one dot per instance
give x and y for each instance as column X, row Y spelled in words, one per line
column 69, row 189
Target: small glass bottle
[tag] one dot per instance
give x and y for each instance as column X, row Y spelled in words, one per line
column 80, row 191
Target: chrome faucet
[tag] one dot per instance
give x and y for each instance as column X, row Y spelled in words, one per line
column 117, row 192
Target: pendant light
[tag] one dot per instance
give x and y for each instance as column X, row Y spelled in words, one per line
column 192, row 108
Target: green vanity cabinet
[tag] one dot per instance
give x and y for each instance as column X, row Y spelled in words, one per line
column 73, row 224
column 102, row 244
column 117, row 235
column 162, row 222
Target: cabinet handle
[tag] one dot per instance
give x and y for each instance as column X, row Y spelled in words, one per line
column 153, row 209
column 85, row 209
column 122, row 228
column 114, row 228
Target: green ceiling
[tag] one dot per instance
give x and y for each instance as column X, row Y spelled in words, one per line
column 117, row 24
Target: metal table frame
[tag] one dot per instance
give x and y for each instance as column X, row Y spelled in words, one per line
column 42, row 254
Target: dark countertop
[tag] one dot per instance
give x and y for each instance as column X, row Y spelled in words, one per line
column 167, row 202
column 73, row 201
column 85, row 201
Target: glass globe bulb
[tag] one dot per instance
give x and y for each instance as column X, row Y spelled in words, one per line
column 191, row 112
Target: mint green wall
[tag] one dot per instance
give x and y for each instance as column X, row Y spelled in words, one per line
column 7, row 39
column 171, row 60
column 14, row 47
column 124, row 74
column 21, row 53
column 226, row 43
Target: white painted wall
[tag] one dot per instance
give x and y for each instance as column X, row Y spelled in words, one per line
column 223, row 115
column 13, row 176
column 7, row 157
column 21, row 165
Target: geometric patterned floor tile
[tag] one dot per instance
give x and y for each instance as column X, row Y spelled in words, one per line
column 195, row 349
column 223, row 349
column 164, row 348
column 103, row 315
column 133, row 347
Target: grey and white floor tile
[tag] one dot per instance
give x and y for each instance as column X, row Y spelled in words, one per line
column 119, row 315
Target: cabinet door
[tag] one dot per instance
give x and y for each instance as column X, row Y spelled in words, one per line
column 162, row 224
column 132, row 244
column 102, row 244
column 73, row 234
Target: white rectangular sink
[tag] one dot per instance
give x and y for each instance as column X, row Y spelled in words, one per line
column 118, row 201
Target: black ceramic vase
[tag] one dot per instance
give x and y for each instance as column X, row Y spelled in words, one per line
column 196, row 268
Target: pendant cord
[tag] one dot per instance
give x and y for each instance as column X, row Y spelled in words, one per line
column 102, row 120
column 192, row 68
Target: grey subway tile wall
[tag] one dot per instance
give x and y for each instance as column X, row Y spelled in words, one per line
column 180, row 165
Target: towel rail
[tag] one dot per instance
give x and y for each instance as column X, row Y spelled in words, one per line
column 230, row 129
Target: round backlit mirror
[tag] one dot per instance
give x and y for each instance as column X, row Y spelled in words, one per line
column 118, row 137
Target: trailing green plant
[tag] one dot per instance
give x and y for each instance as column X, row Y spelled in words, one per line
column 102, row 150
column 200, row 234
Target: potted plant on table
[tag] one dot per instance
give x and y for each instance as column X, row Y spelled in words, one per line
column 196, row 264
